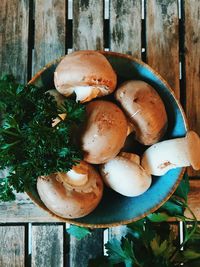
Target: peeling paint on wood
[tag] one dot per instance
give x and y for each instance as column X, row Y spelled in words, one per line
column 47, row 246
column 14, row 23
column 12, row 246
column 125, row 27
column 162, row 47
column 88, row 25
column 50, row 18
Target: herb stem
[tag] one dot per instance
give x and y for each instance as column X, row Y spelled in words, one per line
column 194, row 219
column 10, row 133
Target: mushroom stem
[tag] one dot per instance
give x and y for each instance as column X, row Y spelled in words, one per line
column 170, row 154
column 73, row 178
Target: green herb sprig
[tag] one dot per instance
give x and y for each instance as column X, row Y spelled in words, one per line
column 151, row 242
column 29, row 145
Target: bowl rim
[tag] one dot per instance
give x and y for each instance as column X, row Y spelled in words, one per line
column 123, row 222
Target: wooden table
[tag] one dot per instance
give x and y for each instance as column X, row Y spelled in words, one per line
column 164, row 33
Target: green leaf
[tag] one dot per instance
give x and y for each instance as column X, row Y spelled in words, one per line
column 78, row 232
column 191, row 254
column 183, row 188
column 158, row 217
column 157, row 247
column 120, row 252
column 172, row 208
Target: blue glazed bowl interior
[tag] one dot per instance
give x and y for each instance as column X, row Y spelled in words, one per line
column 115, row 209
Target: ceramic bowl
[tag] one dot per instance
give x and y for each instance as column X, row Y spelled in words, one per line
column 115, row 209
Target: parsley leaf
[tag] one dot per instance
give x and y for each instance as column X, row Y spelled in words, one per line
column 29, row 145
column 78, row 232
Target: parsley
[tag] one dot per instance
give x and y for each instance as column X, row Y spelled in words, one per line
column 150, row 242
column 29, row 145
column 78, row 232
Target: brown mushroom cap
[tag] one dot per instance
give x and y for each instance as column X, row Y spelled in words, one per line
column 66, row 200
column 145, row 110
column 104, row 133
column 82, row 69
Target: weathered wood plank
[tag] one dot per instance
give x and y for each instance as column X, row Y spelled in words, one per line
column 12, row 246
column 193, row 198
column 23, row 210
column 81, row 251
column 125, row 27
column 192, row 66
column 162, row 40
column 88, row 24
column 117, row 232
column 14, row 23
column 47, row 246
column 50, row 18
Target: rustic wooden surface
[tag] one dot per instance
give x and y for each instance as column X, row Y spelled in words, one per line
column 192, row 66
column 12, row 246
column 49, row 41
column 47, row 245
column 88, row 25
column 34, row 32
column 125, row 27
column 162, row 40
column 14, row 25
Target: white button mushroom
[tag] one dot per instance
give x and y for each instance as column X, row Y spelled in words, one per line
column 144, row 109
column 180, row 152
column 124, row 175
column 88, row 74
column 73, row 194
column 104, row 133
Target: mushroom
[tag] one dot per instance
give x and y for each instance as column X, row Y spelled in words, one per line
column 144, row 109
column 104, row 132
column 88, row 74
column 73, row 194
column 125, row 175
column 180, row 152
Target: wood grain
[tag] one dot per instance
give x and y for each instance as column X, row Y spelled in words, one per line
column 192, row 66
column 117, row 232
column 47, row 246
column 81, row 251
column 194, row 198
column 14, row 23
column 88, row 25
column 125, row 27
column 162, row 40
column 12, row 246
column 50, row 17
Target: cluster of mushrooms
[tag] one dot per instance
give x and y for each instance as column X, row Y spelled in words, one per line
column 135, row 107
